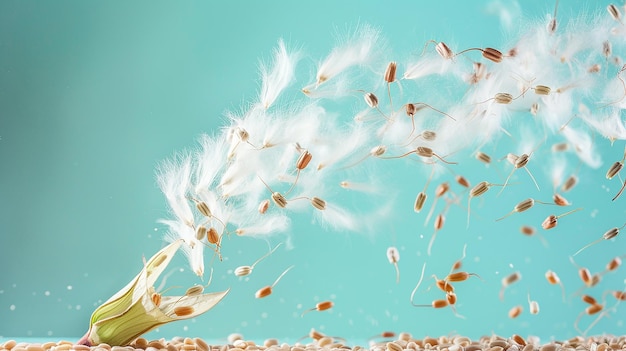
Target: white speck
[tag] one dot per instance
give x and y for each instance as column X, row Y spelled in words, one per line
column 77, row 307
column 594, row 213
column 12, row 307
column 298, row 306
column 156, row 229
column 477, row 259
column 46, row 293
column 185, row 328
column 421, row 236
column 1, row 291
column 244, row 324
column 511, row 265
column 49, row 332
column 264, row 315
column 480, row 237
column 69, row 287
column 14, row 285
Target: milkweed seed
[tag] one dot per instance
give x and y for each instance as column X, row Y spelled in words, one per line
column 279, row 200
column 390, row 73
column 619, row 295
column 393, row 255
column 614, row 169
column 608, row 235
column 585, row 275
column 503, row 98
column 515, row 311
column 321, row 306
column 482, row 157
column 542, row 90
column 589, row 299
column 551, row 221
column 534, row 109
column 569, row 183
column 508, row 280
column 613, row 264
column 492, row 54
column 459, row 276
column 410, row 110
column 476, row 191
column 194, row 290
column 264, row 206
column 614, row 12
column 303, row 160
column 593, row 309
column 451, row 298
column 419, row 202
column 533, row 307
column 263, row 292
column 443, row 285
column 201, row 232
column 182, row 311
column 560, row 200
column 212, row 236
column 371, row 100
column 527, row 230
column 435, row 304
column 318, row 203
column 377, row 151
column 156, row 299
column 554, row 279
column 520, row 207
column 429, row 135
column 462, row 181
column 203, row 208
column 444, row 51
column 243, row 271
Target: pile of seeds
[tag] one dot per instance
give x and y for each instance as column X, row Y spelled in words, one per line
column 385, row 342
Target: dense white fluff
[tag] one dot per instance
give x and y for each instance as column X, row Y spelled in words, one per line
column 277, row 78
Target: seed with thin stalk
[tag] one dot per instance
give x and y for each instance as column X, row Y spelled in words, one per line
column 440, row 191
column 559, row 200
column 520, row 162
column 614, row 12
column 318, row 203
column 515, row 311
column 521, row 207
column 527, row 230
column 435, row 304
column 614, row 169
column 264, row 206
column 488, row 53
column 443, row 285
column 621, row 190
column 419, row 202
column 444, row 51
column 608, row 235
column 182, row 311
column 554, row 279
column 589, row 299
column 462, row 181
column 451, row 298
column 541, row 90
column 267, row 290
column 507, row 281
column 613, row 264
column 551, row 221
column 321, row 306
column 476, row 191
column 483, row 157
column 459, row 277
column 245, row 270
column 201, row 232
column 569, row 183
column 412, row 108
column 619, row 295
column 595, row 68
column 301, row 163
column 585, row 275
column 590, row 310
column 394, row 256
column 371, row 100
column 390, row 73
column 439, row 222
column 213, row 236
column 503, row 98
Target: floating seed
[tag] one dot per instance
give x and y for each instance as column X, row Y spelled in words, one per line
column 608, row 235
column 542, row 90
column 614, row 12
column 515, row 311
column 419, row 202
column 321, row 306
column 264, row 206
column 554, row 279
column 551, row 221
column 371, row 100
column 390, row 73
column 560, row 200
column 318, row 203
column 393, row 255
column 508, row 280
column 483, row 157
column 614, row 169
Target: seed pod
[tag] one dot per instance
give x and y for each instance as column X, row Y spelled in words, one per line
column 201, row 232
column 243, row 271
column 194, row 290
column 515, row 311
column 503, row 98
column 212, row 236
column 263, row 292
column 203, row 208
column 303, row 160
column 482, row 157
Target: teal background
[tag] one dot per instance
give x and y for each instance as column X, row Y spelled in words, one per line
column 93, row 95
